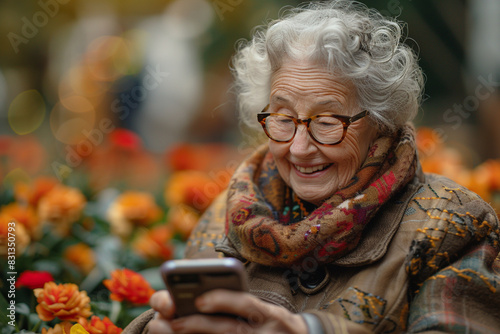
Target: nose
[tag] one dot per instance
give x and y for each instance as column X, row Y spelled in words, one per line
column 302, row 143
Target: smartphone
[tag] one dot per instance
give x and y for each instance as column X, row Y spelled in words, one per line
column 188, row 279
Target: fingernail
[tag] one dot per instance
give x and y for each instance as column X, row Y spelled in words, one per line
column 177, row 324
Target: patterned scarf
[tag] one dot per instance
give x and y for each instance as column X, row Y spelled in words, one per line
column 268, row 224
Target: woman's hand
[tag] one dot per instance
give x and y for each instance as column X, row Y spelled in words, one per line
column 252, row 315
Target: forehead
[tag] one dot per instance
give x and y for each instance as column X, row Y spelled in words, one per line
column 310, row 82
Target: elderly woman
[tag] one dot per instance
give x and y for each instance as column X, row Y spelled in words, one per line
column 339, row 229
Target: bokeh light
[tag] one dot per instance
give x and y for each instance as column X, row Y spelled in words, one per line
column 70, row 124
column 26, row 112
column 15, row 176
column 108, row 58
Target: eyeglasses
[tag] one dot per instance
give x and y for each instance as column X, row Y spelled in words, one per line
column 325, row 129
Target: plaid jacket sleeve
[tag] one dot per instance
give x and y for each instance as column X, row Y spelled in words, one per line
column 455, row 273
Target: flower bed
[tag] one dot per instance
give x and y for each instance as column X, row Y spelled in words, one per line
column 88, row 246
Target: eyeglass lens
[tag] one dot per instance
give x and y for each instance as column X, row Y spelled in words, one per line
column 323, row 129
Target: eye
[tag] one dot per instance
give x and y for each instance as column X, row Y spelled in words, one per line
column 285, row 120
column 327, row 121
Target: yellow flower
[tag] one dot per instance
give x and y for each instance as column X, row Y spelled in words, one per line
column 78, row 329
column 132, row 209
column 62, row 206
column 82, row 256
column 63, row 301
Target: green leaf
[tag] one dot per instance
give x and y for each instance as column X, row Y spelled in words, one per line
column 23, row 309
column 4, row 312
column 108, row 250
column 93, row 279
column 8, row 330
column 53, row 266
column 152, row 275
column 134, row 312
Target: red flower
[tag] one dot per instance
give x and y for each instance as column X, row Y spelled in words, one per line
column 128, row 285
column 125, row 139
column 33, row 279
column 98, row 326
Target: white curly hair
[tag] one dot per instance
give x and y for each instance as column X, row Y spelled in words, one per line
column 348, row 39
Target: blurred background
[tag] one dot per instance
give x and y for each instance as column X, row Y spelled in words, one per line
column 118, row 128
column 79, row 78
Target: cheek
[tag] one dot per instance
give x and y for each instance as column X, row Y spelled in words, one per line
column 349, row 152
column 348, row 158
column 279, row 152
column 276, row 149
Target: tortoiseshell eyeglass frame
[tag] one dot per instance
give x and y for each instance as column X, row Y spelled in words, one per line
column 345, row 120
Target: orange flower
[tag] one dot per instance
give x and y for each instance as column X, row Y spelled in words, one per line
column 155, row 243
column 130, row 209
column 82, row 256
column 490, row 169
column 130, row 286
column 193, row 188
column 428, row 142
column 22, row 237
column 25, row 152
column 32, row 193
column 63, row 301
column 62, row 206
column 183, row 219
column 25, row 215
column 98, row 326
column 60, row 328
column 202, row 157
column 186, row 156
column 123, row 159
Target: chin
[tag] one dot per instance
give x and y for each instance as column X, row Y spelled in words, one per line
column 316, row 199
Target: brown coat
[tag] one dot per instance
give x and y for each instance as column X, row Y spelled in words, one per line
column 425, row 264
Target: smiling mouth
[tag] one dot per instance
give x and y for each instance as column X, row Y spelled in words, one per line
column 313, row 169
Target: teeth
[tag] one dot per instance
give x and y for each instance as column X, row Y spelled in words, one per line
column 309, row 170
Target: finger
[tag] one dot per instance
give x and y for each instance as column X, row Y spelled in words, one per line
column 161, row 302
column 209, row 324
column 238, row 303
column 159, row 325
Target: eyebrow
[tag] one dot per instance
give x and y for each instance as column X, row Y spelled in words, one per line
column 277, row 98
column 332, row 103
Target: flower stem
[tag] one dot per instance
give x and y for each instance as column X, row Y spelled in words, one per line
column 116, row 309
column 35, row 329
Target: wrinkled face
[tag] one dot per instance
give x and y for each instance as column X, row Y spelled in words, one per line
column 315, row 171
